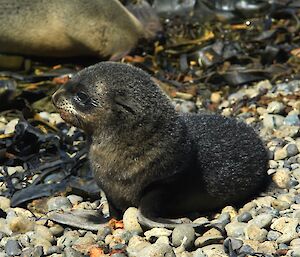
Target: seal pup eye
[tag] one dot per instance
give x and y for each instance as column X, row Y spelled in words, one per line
column 81, row 97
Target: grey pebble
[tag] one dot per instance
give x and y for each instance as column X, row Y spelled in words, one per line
column 246, row 249
column 103, row 232
column 236, row 229
column 59, row 203
column 70, row 252
column 199, row 253
column 53, row 249
column 273, row 235
column 157, row 250
column 183, row 234
column 295, row 252
column 283, row 246
column 292, row 150
column 244, row 217
column 118, row 255
column 292, row 120
column 75, row 199
column 12, row 248
column 33, row 252
column 234, row 243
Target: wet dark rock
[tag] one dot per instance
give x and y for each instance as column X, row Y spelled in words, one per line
column 59, row 203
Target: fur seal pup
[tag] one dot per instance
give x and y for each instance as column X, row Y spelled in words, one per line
column 57, row 28
column 145, row 154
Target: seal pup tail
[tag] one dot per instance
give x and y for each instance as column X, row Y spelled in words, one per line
column 147, row 16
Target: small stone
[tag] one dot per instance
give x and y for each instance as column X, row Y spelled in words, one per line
column 295, row 242
column 244, row 217
column 103, row 232
column 130, row 220
column 4, row 203
column 157, row 250
column 262, row 220
column 10, row 126
column 44, row 232
column 83, row 244
column 136, row 244
column 53, row 249
column 267, row 248
column 75, row 199
column 12, row 248
column 216, row 250
column 292, row 150
column 287, row 226
column 280, row 154
column 230, row 210
column 59, row 203
column 282, row 178
column 272, row 121
column 264, row 201
column 118, row 255
column 68, row 239
column 199, row 253
column 70, row 252
column 56, row 230
column 273, row 235
column 183, row 234
column 292, row 120
column 236, row 229
column 280, row 205
column 246, row 249
column 157, row 232
column 253, row 232
column 216, row 97
column 212, row 236
column 275, row 107
column 34, row 252
column 37, row 241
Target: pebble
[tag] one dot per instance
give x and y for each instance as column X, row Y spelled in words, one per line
column 59, row 203
column 273, row 235
column 292, row 150
column 287, row 226
column 262, row 220
column 275, row 107
column 75, row 199
column 282, row 178
column 157, row 232
column 131, row 222
column 4, row 203
column 212, row 236
column 272, row 121
column 280, row 154
column 236, row 229
column 70, row 252
column 183, row 235
column 157, row 250
column 256, row 233
column 280, row 205
column 10, row 126
column 44, row 233
column 12, row 248
column 216, row 250
column 244, row 217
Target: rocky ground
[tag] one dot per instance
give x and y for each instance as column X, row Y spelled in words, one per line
column 266, row 226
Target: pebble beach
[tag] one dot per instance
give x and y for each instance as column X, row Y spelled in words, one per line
column 267, row 225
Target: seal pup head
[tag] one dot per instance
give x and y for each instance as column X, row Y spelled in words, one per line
column 112, row 96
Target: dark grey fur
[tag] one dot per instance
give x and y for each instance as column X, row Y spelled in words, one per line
column 145, row 154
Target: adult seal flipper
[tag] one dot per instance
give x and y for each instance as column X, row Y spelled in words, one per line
column 68, row 28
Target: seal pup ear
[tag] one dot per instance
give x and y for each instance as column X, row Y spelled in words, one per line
column 126, row 104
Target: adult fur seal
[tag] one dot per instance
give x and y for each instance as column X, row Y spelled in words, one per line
column 145, row 154
column 70, row 28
